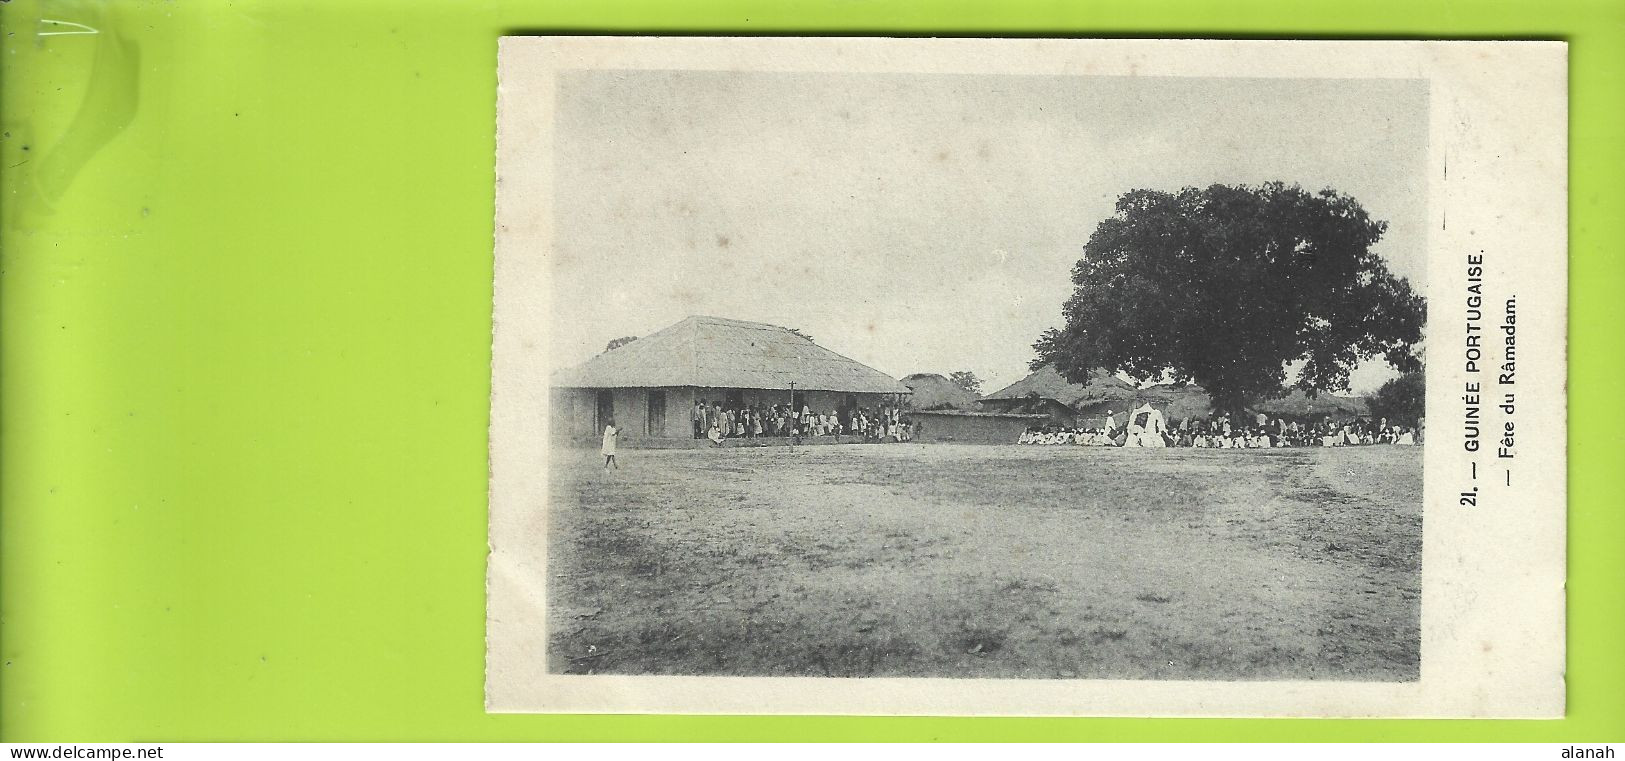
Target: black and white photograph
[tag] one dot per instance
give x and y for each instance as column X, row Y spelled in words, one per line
column 850, row 370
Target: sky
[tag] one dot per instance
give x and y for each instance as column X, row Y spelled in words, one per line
column 924, row 223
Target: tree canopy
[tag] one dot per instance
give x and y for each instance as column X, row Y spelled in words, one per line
column 1227, row 286
column 967, row 380
column 616, row 343
column 1402, row 400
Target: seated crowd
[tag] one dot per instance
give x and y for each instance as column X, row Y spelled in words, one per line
column 719, row 422
column 1218, row 432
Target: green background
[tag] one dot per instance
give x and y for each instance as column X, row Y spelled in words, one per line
column 246, row 290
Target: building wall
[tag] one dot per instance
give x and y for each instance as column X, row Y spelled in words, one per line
column 1094, row 415
column 572, row 412
column 829, row 401
column 575, row 410
column 632, row 413
column 984, row 428
column 679, row 414
column 629, row 411
column 1059, row 414
column 819, row 401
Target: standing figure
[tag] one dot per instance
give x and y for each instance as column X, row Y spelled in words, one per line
column 1146, row 426
column 611, row 435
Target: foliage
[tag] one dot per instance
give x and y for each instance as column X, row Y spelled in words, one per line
column 967, row 380
column 619, row 342
column 798, row 332
column 1228, row 285
column 1402, row 400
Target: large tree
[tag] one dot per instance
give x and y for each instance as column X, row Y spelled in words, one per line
column 1402, row 400
column 967, row 380
column 1227, row 286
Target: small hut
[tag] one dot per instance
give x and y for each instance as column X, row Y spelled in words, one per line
column 1069, row 404
column 972, row 427
column 1177, row 401
column 1299, row 406
column 1065, row 403
column 935, row 392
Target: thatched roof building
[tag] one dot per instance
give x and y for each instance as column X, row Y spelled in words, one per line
column 714, row 352
column 650, row 384
column 1177, row 401
column 935, row 392
column 1299, row 405
column 1047, row 383
column 1045, row 392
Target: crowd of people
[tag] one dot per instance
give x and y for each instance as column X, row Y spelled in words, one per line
column 1147, row 427
column 1144, row 427
column 720, row 422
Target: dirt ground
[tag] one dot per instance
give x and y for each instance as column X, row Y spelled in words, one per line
column 989, row 561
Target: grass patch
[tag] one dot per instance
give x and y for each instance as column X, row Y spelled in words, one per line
column 997, row 561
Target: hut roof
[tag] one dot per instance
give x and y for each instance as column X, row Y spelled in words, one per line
column 1177, row 401
column 714, row 352
column 1046, row 383
column 1299, row 403
column 980, row 414
column 1181, row 401
column 935, row 391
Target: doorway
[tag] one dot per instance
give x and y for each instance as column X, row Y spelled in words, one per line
column 606, row 408
column 655, row 425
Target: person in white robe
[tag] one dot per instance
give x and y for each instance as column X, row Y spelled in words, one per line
column 611, row 436
column 1146, row 426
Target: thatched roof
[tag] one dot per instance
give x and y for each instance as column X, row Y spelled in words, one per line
column 1178, row 402
column 932, row 391
column 1175, row 401
column 971, row 414
column 713, row 352
column 1298, row 403
column 1046, row 383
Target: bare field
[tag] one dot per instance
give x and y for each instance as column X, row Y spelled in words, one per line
column 917, row 560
